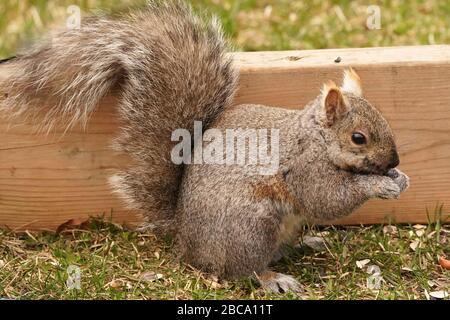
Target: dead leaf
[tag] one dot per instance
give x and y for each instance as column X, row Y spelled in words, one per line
column 315, row 243
column 213, row 283
column 431, row 234
column 439, row 294
column 414, row 244
column 115, row 284
column 444, row 263
column 55, row 263
column 407, row 269
column 420, row 232
column 267, row 11
column 151, row 276
column 2, row 263
column 419, row 226
column 323, row 234
column 214, row 278
column 361, row 263
column 390, row 230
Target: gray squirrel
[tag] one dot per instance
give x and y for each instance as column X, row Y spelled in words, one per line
column 172, row 68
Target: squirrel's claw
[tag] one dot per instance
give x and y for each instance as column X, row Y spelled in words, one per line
column 279, row 283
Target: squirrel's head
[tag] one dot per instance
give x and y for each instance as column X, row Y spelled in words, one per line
column 359, row 137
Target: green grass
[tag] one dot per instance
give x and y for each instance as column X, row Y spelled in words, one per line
column 259, row 25
column 117, row 263
column 120, row 264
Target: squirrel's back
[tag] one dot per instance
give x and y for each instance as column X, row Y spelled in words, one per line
column 170, row 68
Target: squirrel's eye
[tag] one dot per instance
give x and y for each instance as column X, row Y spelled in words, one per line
column 358, row 138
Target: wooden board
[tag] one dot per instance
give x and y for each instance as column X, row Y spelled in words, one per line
column 48, row 180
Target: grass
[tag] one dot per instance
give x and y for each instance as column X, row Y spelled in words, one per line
column 259, row 25
column 121, row 264
column 117, row 263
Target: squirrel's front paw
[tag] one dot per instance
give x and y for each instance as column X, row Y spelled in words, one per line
column 279, row 283
column 387, row 188
column 401, row 179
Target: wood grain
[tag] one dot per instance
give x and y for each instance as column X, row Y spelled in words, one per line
column 47, row 180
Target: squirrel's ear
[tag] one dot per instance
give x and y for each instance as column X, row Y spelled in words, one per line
column 351, row 82
column 334, row 103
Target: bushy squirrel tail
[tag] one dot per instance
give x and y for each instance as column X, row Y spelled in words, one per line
column 170, row 68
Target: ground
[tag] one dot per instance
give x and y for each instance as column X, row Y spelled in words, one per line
column 116, row 263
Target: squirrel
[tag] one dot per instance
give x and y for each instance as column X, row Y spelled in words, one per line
column 171, row 67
